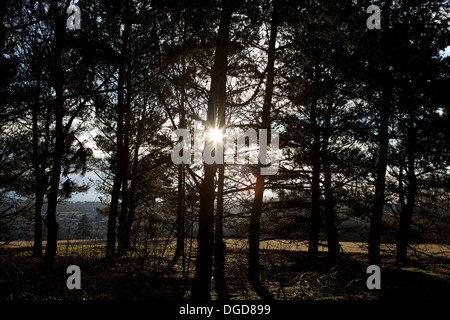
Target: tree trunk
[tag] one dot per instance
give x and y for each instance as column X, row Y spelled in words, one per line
column 205, row 237
column 39, row 201
column 332, row 237
column 217, row 102
column 132, row 195
column 330, row 226
column 219, row 244
column 407, row 211
column 123, row 241
column 255, row 218
column 52, row 224
column 383, row 142
column 313, row 243
column 39, row 176
column 180, row 224
column 254, row 233
column 181, row 210
column 118, row 177
column 134, row 178
column 380, row 184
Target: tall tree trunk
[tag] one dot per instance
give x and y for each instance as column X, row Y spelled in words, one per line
column 219, row 244
column 181, row 192
column 217, row 103
column 112, row 216
column 132, row 195
column 118, row 177
column 39, row 202
column 330, row 226
column 407, row 211
column 39, row 176
column 380, row 185
column 383, row 143
column 134, row 174
column 313, row 243
column 52, row 224
column 123, row 240
column 181, row 212
column 255, row 218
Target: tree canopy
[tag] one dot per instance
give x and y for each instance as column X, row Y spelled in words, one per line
column 361, row 115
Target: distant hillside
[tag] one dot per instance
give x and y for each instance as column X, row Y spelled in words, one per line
column 80, row 207
column 69, row 214
column 89, row 207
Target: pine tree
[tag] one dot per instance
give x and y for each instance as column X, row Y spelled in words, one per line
column 84, row 228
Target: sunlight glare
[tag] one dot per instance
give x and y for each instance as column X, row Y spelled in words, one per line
column 215, row 135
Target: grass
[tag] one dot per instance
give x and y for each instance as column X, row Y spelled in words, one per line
column 144, row 273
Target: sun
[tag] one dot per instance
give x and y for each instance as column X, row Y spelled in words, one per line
column 215, row 135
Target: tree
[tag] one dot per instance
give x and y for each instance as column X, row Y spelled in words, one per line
column 34, row 89
column 84, row 227
column 317, row 119
column 128, row 113
column 254, row 226
column 383, row 105
column 63, row 160
column 361, row 113
column 393, row 82
column 418, row 102
column 120, row 148
column 216, row 111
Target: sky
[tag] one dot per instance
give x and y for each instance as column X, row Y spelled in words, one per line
column 91, row 194
column 446, row 52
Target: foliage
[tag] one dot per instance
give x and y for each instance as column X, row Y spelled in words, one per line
column 362, row 116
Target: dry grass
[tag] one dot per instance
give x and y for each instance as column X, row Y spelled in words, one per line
column 436, row 250
column 144, row 273
column 431, row 250
column 61, row 243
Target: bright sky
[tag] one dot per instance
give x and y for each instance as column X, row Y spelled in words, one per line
column 446, row 52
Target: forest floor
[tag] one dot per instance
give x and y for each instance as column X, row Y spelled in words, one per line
column 144, row 273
